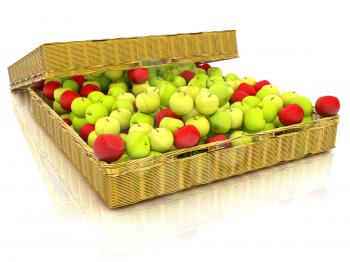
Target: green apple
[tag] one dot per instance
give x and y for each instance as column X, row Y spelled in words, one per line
column 107, row 125
column 79, row 106
column 307, row 119
column 240, row 138
column 119, row 104
column 194, row 112
column 251, row 101
column 254, row 119
column 140, row 88
column 104, row 83
column 305, row 104
column 118, row 85
column 96, row 83
column 94, row 112
column 206, row 103
column 95, row 96
column 137, row 145
column 141, row 127
column 140, row 117
column 115, row 91
column 78, row 122
column 201, row 77
column 224, row 107
column 114, row 75
column 192, row 91
column 240, row 105
column 274, row 99
column 154, row 153
column 127, row 97
column 220, row 122
column 277, row 122
column 123, row 116
column 123, row 158
column 201, row 123
column 169, row 76
column 171, row 124
column 269, row 110
column 91, row 138
column 214, row 71
column 107, row 101
column 230, row 90
column 56, row 79
column 71, row 84
column 213, row 80
column 269, row 126
column 69, row 116
column 166, row 90
column 233, row 84
column 94, row 76
column 249, row 80
column 161, row 139
column 123, row 136
column 147, row 102
column 231, row 76
column 267, row 90
column 155, row 80
column 199, row 71
column 199, row 83
column 153, row 89
column 288, row 97
column 59, row 91
column 181, row 103
column 236, row 115
column 220, row 89
column 58, row 108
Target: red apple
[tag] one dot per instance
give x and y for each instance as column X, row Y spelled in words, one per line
column 138, row 75
column 203, row 65
column 85, row 131
column 327, row 106
column 80, row 79
column 218, row 138
column 67, row 121
column 188, row 75
column 246, row 88
column 186, row 136
column 49, row 89
column 109, row 147
column 238, row 96
column 87, row 89
column 38, row 85
column 166, row 112
column 291, row 114
column 67, row 98
column 260, row 84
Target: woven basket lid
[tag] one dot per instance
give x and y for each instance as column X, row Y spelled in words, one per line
column 83, row 57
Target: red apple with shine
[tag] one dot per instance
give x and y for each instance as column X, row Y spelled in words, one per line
column 67, row 98
column 218, row 138
column 85, row 131
column 166, row 112
column 188, row 75
column 204, row 66
column 80, row 79
column 67, row 121
column 246, row 88
column 291, row 114
column 87, row 89
column 108, row 147
column 38, row 85
column 260, row 84
column 238, row 96
column 327, row 106
column 49, row 89
column 186, row 136
column 138, row 75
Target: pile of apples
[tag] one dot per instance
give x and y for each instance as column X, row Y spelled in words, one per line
column 145, row 112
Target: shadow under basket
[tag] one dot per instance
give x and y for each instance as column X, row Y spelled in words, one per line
column 137, row 180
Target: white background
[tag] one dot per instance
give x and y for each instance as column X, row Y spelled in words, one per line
column 297, row 212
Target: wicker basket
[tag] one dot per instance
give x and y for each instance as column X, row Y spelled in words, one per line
column 133, row 181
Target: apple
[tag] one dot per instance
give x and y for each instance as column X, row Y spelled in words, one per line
column 260, row 84
column 140, row 88
column 240, row 105
column 109, row 147
column 277, row 122
column 38, row 84
column 194, row 112
column 127, row 97
column 269, row 110
column 53, row 79
column 166, row 90
column 104, row 83
column 161, row 139
column 171, row 123
column 80, row 79
column 214, row 71
column 221, row 91
column 94, row 112
column 94, row 96
column 305, row 104
column 140, row 117
column 138, row 145
column 87, row 89
column 91, row 138
column 254, row 119
column 187, row 75
column 107, row 125
column 220, row 122
column 123, row 116
column 327, row 106
column 288, row 97
column 80, row 105
column 238, row 96
column 199, row 71
column 155, row 80
column 274, row 99
column 291, row 114
column 107, row 102
column 148, row 102
column 307, row 119
column 85, row 131
column 249, row 80
column 247, row 89
column 67, row 121
column 58, row 92
column 115, row 91
column 181, row 103
column 141, row 127
column 218, row 138
column 169, row 76
column 197, row 82
column 114, row 75
column 67, row 99
column 123, row 136
column 268, row 126
column 224, row 107
column 267, row 90
column 123, row 158
column 78, row 122
column 201, row 123
column 58, row 108
column 166, row 112
column 119, row 104
column 96, row 83
column 206, row 103
column 236, row 115
column 138, row 75
column 186, row 136
column 251, row 101
column 192, row 91
column 240, row 138
column 213, row 80
column 93, row 76
column 71, row 84
column 69, row 116
column 202, row 65
column 231, row 76
column 49, row 89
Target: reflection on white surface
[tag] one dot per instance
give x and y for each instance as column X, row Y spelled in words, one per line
column 181, row 214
